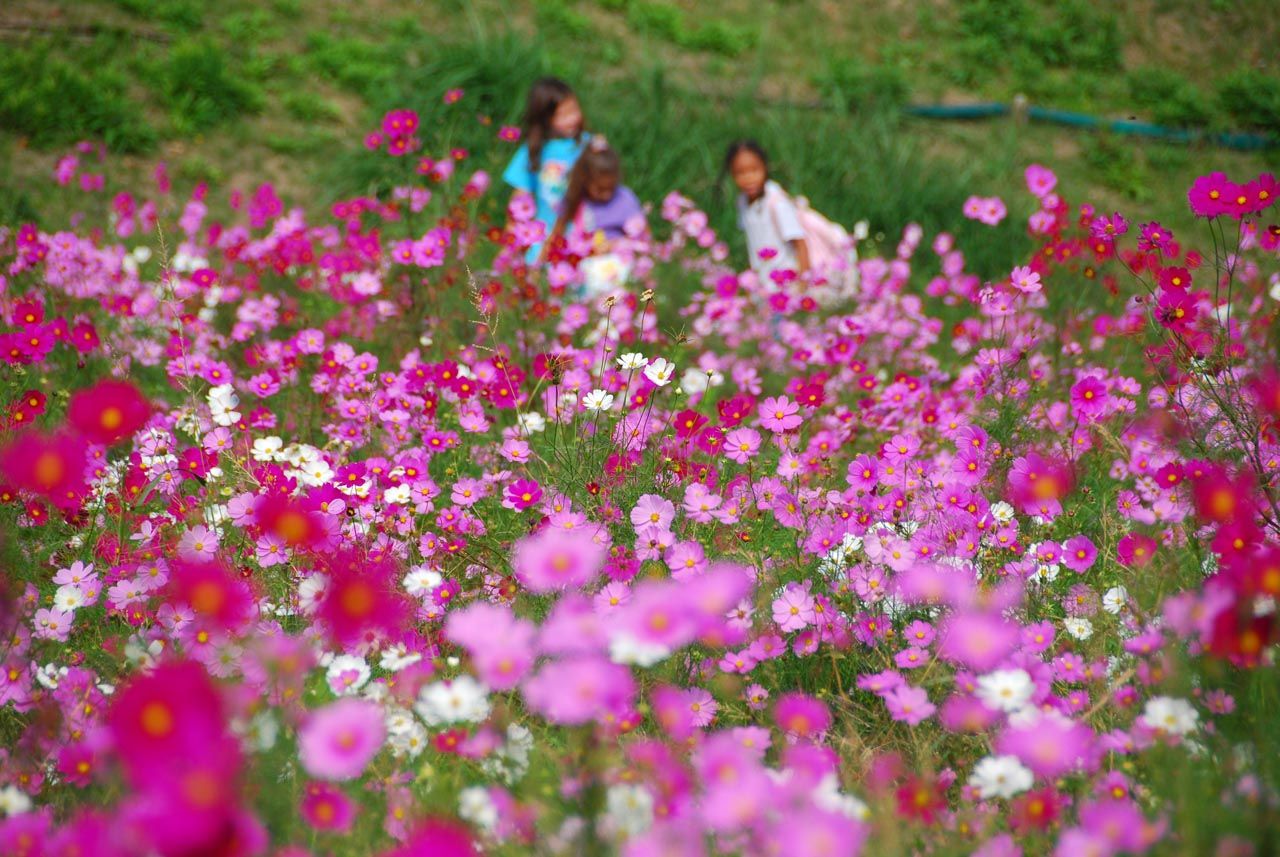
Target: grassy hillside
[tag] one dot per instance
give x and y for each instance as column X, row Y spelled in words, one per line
column 286, row 88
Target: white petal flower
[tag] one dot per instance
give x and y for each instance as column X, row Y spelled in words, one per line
column 462, row 700
column 1078, row 627
column 1115, row 600
column 1001, row 776
column 14, row 801
column 633, row 361
column 1174, row 716
column 660, row 372
column 598, row 400
column 1005, row 690
column 629, row 809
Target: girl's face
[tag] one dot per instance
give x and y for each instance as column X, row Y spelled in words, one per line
column 748, row 173
column 601, row 188
column 567, row 120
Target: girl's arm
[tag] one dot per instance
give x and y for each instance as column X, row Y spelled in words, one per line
column 802, row 256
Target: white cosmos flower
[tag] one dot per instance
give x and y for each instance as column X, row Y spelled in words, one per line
column 1175, row 716
column 222, row 405
column 1005, row 690
column 598, row 400
column 660, row 372
column 397, row 496
column 1001, row 776
column 14, row 801
column 350, row 684
column 476, row 806
column 1002, row 512
column 68, row 597
column 410, row 741
column 1078, row 627
column 267, row 449
column 531, row 421
column 695, row 380
column 829, row 797
column 397, row 656
column 626, row 649
column 629, row 809
column 633, row 361
column 1115, row 600
column 462, row 700
column 421, row 581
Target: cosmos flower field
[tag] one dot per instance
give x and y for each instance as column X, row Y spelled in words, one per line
column 344, row 532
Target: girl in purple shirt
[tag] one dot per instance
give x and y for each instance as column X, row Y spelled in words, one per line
column 596, row 202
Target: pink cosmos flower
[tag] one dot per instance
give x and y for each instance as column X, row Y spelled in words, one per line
column 1040, row 180
column 556, row 558
column 652, row 510
column 501, row 646
column 799, row 714
column 979, row 641
column 909, row 704
column 779, row 414
column 337, row 742
column 793, row 610
column 1051, row 747
column 579, row 690
column 741, row 444
column 52, row 624
column 198, row 543
column 1025, row 280
column 1079, row 553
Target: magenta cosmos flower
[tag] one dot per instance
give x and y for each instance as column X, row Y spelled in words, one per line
column 338, row 741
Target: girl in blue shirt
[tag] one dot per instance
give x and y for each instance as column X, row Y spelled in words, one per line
column 553, row 139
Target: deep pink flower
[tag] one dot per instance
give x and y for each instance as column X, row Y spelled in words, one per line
column 1110, row 228
column 108, row 411
column 1209, row 194
column 361, row 596
column 211, row 591
column 522, row 494
column 1089, row 398
column 325, row 807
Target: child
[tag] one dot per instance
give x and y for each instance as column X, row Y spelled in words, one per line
column 553, row 139
column 765, row 212
column 601, row 210
column 781, row 234
column 596, row 201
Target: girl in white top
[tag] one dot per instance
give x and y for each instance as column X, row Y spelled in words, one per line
column 775, row 239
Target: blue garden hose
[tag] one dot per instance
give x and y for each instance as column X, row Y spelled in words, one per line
column 1230, row 140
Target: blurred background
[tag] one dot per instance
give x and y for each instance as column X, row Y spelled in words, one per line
column 235, row 92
